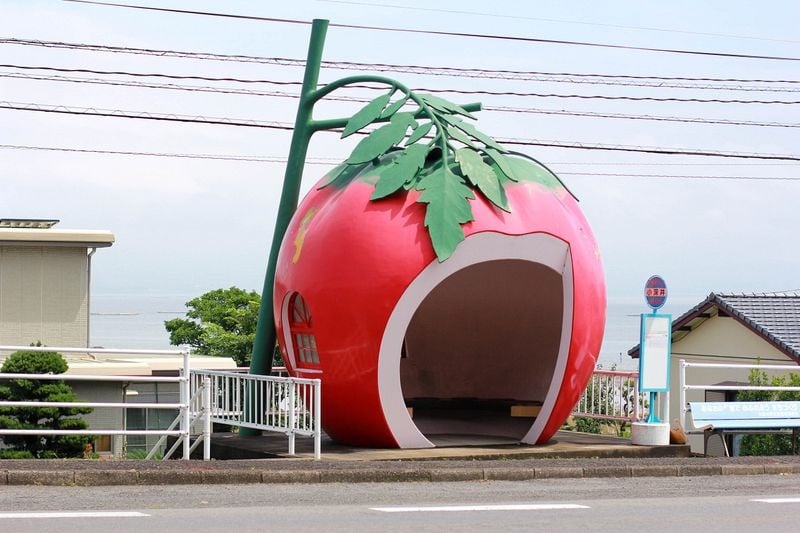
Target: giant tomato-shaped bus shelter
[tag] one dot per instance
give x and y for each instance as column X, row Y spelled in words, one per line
column 438, row 285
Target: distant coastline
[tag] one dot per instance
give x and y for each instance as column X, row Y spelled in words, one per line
column 137, row 321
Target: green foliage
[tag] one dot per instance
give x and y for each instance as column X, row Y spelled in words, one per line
column 220, row 322
column 768, row 444
column 41, row 446
column 443, row 156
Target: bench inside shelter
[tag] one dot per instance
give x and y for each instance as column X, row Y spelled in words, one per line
column 721, row 418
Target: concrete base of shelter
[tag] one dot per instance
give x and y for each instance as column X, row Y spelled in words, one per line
column 565, row 444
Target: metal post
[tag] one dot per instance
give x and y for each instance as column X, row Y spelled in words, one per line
column 317, row 419
column 206, row 418
column 682, row 393
column 292, row 400
column 264, row 344
column 185, row 399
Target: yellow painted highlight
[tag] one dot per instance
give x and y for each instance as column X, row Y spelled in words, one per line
column 301, row 234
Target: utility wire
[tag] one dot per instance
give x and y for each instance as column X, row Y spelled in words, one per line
column 500, row 109
column 429, row 90
column 444, row 33
column 517, row 75
column 516, row 16
column 332, row 161
column 222, row 157
column 681, row 176
column 286, row 126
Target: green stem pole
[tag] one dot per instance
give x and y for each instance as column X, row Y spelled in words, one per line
column 264, row 344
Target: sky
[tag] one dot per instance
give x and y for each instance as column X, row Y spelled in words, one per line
column 187, row 225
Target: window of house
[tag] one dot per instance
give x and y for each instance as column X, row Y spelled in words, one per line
column 305, row 344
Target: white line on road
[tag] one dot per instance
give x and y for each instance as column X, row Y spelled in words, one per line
column 777, row 500
column 511, row 507
column 75, row 514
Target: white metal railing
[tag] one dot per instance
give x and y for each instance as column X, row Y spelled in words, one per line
column 612, row 395
column 269, row 403
column 182, row 421
column 685, row 387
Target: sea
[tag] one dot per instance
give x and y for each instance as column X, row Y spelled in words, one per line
column 136, row 320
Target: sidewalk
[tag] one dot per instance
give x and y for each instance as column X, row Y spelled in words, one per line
column 569, row 455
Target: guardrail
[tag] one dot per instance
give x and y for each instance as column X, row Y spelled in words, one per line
column 612, row 395
column 287, row 405
column 183, row 420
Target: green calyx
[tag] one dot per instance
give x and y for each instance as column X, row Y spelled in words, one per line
column 435, row 151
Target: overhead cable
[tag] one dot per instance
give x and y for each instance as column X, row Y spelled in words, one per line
column 286, row 126
column 445, row 33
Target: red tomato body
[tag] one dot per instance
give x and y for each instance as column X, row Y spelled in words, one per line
column 358, row 263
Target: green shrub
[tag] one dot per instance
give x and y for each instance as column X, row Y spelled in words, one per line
column 41, row 446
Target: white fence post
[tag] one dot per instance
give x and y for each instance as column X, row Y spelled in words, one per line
column 317, row 419
column 206, row 418
column 682, row 392
column 185, row 400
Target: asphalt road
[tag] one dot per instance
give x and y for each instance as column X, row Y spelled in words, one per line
column 708, row 504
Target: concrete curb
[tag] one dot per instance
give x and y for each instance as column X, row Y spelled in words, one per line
column 417, row 473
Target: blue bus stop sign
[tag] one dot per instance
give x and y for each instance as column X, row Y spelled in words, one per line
column 655, row 292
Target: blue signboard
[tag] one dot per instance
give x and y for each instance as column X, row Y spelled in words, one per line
column 655, row 292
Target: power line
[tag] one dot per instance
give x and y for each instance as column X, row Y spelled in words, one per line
column 115, row 113
column 645, row 149
column 151, row 85
column 502, row 109
column 332, row 161
column 605, row 97
column 430, row 90
column 145, row 115
column 147, row 74
column 503, row 74
column 221, row 157
column 657, row 118
column 560, row 21
column 681, row 176
column 444, row 33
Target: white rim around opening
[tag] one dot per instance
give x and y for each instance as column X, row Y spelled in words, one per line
column 541, row 248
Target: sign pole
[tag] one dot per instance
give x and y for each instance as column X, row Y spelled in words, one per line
column 654, row 352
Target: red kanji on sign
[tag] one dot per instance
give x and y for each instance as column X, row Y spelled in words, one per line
column 655, row 292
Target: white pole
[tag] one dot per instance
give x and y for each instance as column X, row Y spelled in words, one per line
column 682, row 393
column 317, row 419
column 206, row 418
column 185, row 409
column 291, row 416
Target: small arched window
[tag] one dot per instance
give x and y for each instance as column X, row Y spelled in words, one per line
column 305, row 344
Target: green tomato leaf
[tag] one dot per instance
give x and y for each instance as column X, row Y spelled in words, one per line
column 402, row 170
column 366, row 115
column 341, row 175
column 469, row 129
column 456, row 134
column 419, row 132
column 502, row 163
column 378, row 142
column 445, row 105
column 403, row 119
column 394, row 108
column 482, row 176
column 448, row 207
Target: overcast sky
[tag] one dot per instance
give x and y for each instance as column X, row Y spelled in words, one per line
column 186, row 225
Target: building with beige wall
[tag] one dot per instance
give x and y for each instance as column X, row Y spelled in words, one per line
column 731, row 329
column 45, row 274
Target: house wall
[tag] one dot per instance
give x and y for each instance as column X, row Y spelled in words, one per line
column 722, row 340
column 44, row 295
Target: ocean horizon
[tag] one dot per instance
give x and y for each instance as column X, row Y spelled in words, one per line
column 136, row 321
